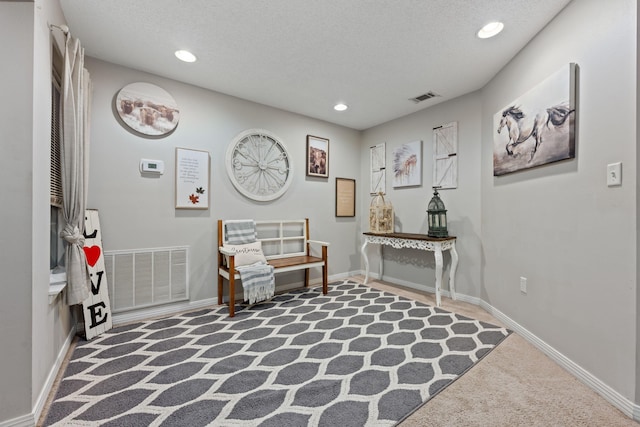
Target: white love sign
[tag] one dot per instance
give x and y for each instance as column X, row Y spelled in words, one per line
column 96, row 308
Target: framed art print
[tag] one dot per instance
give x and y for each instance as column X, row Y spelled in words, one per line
column 407, row 165
column 546, row 112
column 192, row 179
column 317, row 156
column 147, row 109
column 345, row 197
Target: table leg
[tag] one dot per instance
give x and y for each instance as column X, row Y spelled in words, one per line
column 438, row 257
column 381, row 265
column 452, row 273
column 366, row 260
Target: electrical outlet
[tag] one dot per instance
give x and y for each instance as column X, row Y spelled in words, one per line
column 523, row 285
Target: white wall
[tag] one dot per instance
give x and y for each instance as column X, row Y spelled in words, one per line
column 410, row 203
column 139, row 212
column 51, row 323
column 637, row 233
column 16, row 122
column 560, row 226
column 34, row 331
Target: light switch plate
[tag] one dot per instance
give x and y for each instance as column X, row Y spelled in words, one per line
column 614, row 174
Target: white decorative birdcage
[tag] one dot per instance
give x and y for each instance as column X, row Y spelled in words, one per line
column 380, row 215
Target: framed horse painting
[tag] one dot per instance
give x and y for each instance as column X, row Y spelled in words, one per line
column 538, row 127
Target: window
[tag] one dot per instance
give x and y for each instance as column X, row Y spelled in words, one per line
column 56, row 245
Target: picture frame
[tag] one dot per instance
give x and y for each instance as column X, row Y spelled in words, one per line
column 546, row 112
column 445, row 156
column 407, row 165
column 377, row 169
column 147, row 110
column 193, row 171
column 317, row 156
column 345, row 197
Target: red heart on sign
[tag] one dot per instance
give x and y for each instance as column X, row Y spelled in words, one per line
column 92, row 253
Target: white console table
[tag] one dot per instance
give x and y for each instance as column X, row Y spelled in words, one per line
column 416, row 241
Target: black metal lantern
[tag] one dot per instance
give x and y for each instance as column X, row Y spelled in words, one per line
column 437, row 216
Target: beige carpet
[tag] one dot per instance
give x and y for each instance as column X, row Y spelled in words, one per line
column 515, row 385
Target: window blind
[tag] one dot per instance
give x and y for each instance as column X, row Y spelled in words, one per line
column 56, row 135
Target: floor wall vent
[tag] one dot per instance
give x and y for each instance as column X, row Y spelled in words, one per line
column 146, row 277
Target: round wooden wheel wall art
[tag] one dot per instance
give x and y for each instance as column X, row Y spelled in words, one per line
column 147, row 109
column 258, row 165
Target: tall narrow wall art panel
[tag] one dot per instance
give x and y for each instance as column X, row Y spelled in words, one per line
column 97, row 308
column 445, row 156
column 377, row 169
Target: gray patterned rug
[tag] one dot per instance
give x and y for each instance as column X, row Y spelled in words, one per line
column 354, row 357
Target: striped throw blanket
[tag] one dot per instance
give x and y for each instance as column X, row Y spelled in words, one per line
column 240, row 232
column 258, row 282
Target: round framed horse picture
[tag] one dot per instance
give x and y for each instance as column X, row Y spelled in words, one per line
column 147, row 109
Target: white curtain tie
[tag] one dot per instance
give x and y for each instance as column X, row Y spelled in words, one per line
column 72, row 235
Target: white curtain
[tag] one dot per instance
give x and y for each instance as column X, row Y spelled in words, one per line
column 74, row 156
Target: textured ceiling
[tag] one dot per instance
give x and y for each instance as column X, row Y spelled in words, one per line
column 305, row 56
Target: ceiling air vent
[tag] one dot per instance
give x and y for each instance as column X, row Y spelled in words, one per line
column 424, row 97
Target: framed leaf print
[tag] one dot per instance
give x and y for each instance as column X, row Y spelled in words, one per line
column 192, row 179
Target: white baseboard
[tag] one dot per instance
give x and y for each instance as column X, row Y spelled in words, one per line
column 169, row 309
column 412, row 285
column 340, row 276
column 30, row 420
column 627, row 407
column 312, row 282
column 161, row 310
column 22, row 421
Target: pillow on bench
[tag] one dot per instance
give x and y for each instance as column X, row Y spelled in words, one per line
column 247, row 254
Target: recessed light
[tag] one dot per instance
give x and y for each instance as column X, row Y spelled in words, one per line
column 490, row 30
column 185, row 55
column 340, row 107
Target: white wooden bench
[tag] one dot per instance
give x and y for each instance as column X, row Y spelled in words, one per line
column 286, row 246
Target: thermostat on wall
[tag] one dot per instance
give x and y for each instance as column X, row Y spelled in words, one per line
column 152, row 166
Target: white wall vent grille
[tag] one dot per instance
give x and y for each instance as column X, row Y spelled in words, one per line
column 143, row 278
